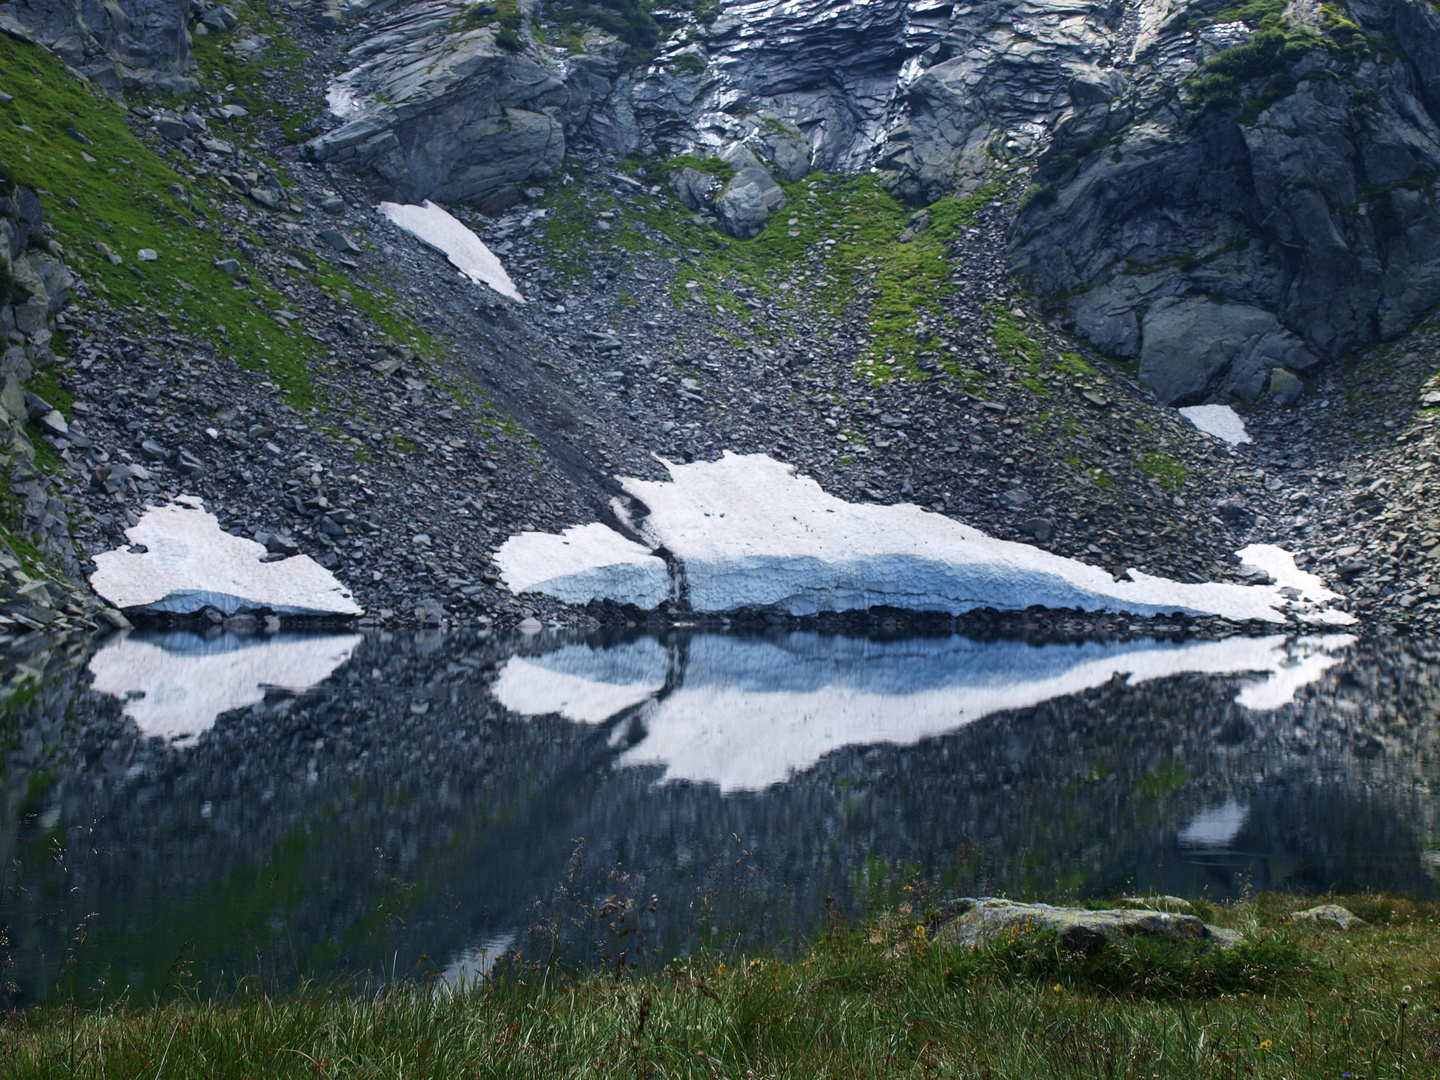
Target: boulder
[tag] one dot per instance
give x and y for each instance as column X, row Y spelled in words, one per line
column 1330, row 913
column 694, row 188
column 1192, row 345
column 991, row 922
column 748, row 201
column 1285, row 388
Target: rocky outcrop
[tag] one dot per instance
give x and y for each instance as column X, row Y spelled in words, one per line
column 124, row 45
column 932, row 96
column 445, row 113
column 1269, row 210
column 39, row 574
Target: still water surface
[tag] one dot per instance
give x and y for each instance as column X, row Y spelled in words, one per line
column 192, row 811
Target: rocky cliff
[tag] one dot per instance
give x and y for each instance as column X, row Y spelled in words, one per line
column 1219, row 193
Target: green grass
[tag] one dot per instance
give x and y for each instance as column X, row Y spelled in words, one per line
column 885, row 1000
column 124, row 201
column 901, row 285
column 1163, row 469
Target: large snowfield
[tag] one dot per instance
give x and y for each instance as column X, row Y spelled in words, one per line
column 745, row 532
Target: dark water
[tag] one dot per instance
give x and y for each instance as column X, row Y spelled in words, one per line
column 190, row 812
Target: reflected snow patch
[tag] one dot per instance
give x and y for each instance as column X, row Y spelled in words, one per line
column 1216, row 828
column 436, row 229
column 175, row 685
column 745, row 713
column 747, row 533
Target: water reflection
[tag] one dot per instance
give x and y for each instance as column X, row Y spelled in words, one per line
column 745, row 713
column 175, row 685
column 412, row 803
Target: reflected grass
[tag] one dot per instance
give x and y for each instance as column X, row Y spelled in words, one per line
column 878, row 999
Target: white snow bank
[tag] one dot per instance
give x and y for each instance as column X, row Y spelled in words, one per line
column 749, row 533
column 175, row 685
column 745, row 713
column 192, row 564
column 1219, row 420
column 583, row 563
column 435, row 228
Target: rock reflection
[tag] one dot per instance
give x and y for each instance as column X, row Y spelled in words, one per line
column 395, row 818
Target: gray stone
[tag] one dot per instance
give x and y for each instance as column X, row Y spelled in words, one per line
column 1042, row 529
column 228, row 266
column 1016, row 497
column 172, row 128
column 694, row 188
column 990, row 922
column 339, row 241
column 747, row 201
column 1285, row 388
column 153, row 450
column 1331, row 913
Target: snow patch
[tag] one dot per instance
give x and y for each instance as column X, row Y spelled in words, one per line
column 1219, row 420
column 583, row 563
column 436, row 229
column 341, row 101
column 745, row 713
column 748, row 533
column 175, row 685
column 192, row 564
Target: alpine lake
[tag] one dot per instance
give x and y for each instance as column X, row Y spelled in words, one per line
column 196, row 812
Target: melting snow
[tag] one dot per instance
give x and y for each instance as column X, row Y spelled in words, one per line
column 582, row 563
column 192, row 564
column 745, row 713
column 748, row 533
column 175, row 685
column 1219, row 420
column 435, row 228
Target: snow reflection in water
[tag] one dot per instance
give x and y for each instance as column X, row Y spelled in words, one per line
column 175, row 685
column 745, row 713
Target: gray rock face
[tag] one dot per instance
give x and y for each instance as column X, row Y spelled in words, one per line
column 120, row 45
column 447, row 116
column 902, row 85
column 1299, row 207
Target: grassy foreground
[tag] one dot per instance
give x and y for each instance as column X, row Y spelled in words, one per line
column 877, row 1000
